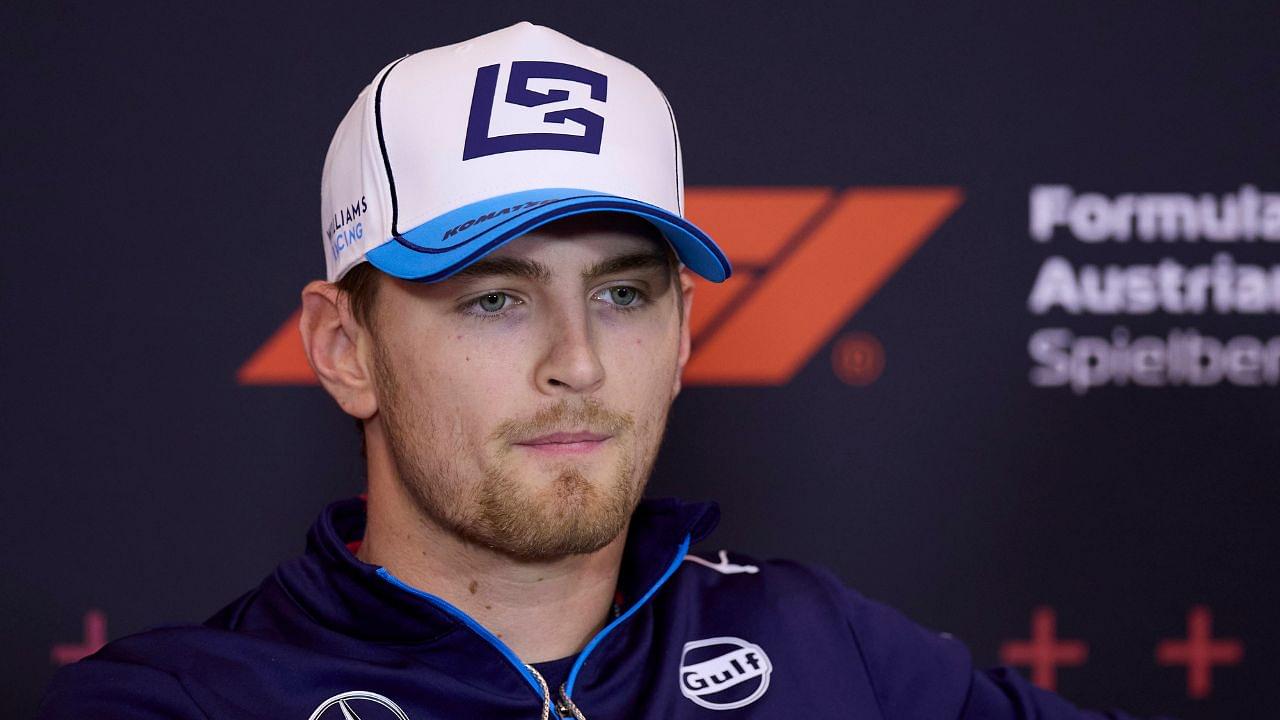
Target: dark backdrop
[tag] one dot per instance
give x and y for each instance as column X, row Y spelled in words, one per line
column 160, row 188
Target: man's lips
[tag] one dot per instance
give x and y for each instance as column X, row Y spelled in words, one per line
column 565, row 442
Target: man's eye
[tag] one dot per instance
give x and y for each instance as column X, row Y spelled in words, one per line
column 622, row 295
column 493, row 302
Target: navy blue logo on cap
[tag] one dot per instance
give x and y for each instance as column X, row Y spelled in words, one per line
column 479, row 143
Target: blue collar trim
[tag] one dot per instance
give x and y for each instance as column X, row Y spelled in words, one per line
column 466, row 620
column 582, row 657
column 511, row 656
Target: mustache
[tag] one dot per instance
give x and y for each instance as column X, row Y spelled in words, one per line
column 587, row 415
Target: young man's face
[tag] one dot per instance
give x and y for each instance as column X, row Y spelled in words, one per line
column 524, row 398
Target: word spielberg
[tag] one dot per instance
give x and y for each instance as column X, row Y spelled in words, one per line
column 1215, row 287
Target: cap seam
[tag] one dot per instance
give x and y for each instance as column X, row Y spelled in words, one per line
column 382, row 143
column 403, row 240
column 675, row 148
column 458, row 202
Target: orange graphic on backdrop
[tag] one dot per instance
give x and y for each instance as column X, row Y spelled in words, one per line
column 805, row 260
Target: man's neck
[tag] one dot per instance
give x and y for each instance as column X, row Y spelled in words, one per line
column 541, row 610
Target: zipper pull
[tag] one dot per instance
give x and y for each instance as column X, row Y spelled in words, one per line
column 566, row 707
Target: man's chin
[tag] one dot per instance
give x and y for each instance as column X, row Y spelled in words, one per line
column 561, row 514
column 551, row 538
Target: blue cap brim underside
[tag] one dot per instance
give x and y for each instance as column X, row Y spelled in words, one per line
column 440, row 247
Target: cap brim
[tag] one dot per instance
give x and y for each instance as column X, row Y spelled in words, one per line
column 444, row 245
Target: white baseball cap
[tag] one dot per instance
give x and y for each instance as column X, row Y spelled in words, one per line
column 452, row 152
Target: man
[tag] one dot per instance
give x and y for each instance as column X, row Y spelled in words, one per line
column 506, row 312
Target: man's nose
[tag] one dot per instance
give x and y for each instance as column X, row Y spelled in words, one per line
column 570, row 361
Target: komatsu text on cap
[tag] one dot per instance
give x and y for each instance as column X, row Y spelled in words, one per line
column 452, row 152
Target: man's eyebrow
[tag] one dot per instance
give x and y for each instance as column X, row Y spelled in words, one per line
column 513, row 267
column 622, row 263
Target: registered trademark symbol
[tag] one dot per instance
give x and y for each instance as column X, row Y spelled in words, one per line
column 857, row 358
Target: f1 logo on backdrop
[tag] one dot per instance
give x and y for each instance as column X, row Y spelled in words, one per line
column 479, row 143
column 804, row 261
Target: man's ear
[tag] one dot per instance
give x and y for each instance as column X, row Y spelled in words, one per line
column 686, row 287
column 338, row 348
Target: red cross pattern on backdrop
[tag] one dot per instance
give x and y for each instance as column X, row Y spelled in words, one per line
column 95, row 636
column 1044, row 652
column 1200, row 652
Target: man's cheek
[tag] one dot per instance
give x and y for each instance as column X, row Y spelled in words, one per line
column 652, row 376
column 490, row 365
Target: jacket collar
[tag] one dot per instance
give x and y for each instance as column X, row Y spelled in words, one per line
column 348, row 596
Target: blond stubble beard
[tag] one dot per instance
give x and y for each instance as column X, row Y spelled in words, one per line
column 571, row 515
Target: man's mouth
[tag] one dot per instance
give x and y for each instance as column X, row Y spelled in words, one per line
column 565, row 442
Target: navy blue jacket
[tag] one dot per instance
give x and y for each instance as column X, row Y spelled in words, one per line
column 328, row 637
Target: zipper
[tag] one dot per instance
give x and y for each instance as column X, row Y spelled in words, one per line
column 564, row 705
column 566, row 690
